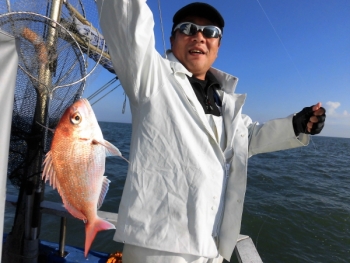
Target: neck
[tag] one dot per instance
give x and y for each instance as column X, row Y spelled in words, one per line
column 199, row 76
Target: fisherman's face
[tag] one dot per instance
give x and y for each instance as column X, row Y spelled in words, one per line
column 197, row 53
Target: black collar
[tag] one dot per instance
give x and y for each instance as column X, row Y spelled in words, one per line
column 210, row 80
column 206, row 94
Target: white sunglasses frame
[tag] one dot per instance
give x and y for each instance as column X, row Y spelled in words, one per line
column 199, row 28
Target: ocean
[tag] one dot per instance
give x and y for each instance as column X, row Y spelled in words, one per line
column 297, row 204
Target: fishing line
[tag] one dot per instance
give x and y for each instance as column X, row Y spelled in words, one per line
column 105, row 86
column 313, row 144
column 285, row 48
column 162, row 27
column 279, row 38
column 257, row 238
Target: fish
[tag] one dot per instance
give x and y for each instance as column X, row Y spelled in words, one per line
column 75, row 165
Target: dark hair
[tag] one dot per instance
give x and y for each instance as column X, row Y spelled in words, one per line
column 203, row 10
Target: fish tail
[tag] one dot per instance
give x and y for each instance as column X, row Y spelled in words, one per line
column 91, row 230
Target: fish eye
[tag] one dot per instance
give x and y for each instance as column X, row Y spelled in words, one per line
column 76, row 118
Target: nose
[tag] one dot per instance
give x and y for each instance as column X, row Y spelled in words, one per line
column 198, row 36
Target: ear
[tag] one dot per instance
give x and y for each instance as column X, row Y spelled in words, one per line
column 217, row 52
column 172, row 39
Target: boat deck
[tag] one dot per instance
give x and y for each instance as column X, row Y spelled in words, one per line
column 50, row 252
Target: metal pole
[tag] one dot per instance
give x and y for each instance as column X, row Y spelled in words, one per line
column 22, row 243
column 44, row 91
column 63, row 230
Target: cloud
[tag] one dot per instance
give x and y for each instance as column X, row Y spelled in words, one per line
column 337, row 121
column 332, row 106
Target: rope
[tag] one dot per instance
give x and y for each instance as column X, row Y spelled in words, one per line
column 102, row 88
column 124, row 103
column 105, row 95
column 279, row 38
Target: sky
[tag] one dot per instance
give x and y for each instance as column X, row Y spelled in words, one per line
column 287, row 54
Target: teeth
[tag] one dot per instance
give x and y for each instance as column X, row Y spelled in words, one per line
column 196, row 51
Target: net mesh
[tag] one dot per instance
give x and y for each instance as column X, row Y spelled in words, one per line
column 83, row 22
column 51, row 73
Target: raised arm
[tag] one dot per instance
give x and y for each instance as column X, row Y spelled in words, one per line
column 127, row 26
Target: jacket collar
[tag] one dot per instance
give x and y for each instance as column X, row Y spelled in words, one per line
column 176, row 65
column 225, row 80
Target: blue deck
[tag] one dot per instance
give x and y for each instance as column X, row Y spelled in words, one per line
column 48, row 252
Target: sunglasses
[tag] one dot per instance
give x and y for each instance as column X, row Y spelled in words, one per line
column 191, row 29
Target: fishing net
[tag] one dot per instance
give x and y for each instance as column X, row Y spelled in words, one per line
column 82, row 21
column 53, row 66
column 49, row 78
column 58, row 48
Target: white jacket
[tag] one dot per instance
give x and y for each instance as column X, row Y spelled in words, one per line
column 180, row 187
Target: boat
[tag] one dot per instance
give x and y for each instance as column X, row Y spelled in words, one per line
column 47, row 45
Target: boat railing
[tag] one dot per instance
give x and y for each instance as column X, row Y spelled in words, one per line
column 245, row 249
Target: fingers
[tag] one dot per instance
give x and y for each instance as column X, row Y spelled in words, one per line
column 315, row 127
column 309, row 120
column 313, row 119
column 309, row 126
column 317, row 118
column 317, row 106
column 321, row 111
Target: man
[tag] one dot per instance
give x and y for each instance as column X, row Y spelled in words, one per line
column 184, row 192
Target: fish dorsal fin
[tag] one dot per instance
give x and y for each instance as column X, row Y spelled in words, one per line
column 104, row 190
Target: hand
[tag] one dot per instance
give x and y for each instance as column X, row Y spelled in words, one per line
column 310, row 120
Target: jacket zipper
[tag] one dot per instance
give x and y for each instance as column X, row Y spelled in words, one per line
column 226, row 175
column 194, row 108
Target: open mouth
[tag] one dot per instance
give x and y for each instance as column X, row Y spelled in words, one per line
column 196, row 51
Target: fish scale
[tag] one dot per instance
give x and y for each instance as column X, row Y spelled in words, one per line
column 75, row 166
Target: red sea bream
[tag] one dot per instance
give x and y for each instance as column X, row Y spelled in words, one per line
column 75, row 166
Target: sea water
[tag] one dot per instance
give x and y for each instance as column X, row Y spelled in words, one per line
column 297, row 204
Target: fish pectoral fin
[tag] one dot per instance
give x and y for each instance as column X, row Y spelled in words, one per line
column 111, row 150
column 104, row 190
